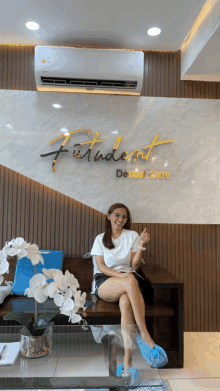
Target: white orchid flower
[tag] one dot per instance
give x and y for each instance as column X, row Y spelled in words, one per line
column 75, row 318
column 34, row 254
column 75, row 309
column 37, row 288
column 65, row 312
column 23, row 249
column 51, row 290
column 25, row 245
column 58, row 300
column 57, row 286
column 37, row 281
column 1, row 279
column 3, row 255
column 63, row 289
column 64, row 301
column 29, row 292
column 68, row 300
column 60, row 282
column 14, row 247
column 68, row 293
column 40, row 296
column 80, row 299
column 68, row 305
column 4, row 264
column 50, row 273
column 71, row 281
column 9, row 244
column 4, row 267
column 37, row 294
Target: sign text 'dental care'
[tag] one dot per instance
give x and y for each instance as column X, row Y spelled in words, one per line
column 111, row 155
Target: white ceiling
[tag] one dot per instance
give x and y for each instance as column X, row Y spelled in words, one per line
column 101, row 23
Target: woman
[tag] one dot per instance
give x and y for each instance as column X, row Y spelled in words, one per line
column 118, row 253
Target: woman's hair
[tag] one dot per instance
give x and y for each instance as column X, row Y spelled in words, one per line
column 107, row 238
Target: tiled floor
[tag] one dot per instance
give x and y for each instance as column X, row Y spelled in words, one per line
column 201, row 364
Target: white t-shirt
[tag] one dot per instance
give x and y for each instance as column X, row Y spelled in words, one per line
column 118, row 258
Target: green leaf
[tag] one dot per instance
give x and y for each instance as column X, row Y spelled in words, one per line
column 22, row 318
column 44, row 319
column 39, row 331
column 45, row 326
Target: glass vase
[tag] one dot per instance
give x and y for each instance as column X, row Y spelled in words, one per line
column 34, row 347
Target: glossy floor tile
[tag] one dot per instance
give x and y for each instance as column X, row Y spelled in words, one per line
column 201, row 364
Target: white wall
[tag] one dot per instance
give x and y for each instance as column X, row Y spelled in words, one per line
column 28, row 122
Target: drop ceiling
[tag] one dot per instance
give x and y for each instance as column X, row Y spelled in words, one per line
column 121, row 24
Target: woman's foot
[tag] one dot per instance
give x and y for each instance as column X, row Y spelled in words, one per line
column 129, row 372
column 148, row 341
column 127, row 366
column 156, row 357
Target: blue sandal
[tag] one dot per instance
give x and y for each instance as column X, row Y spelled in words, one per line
column 156, row 356
column 135, row 377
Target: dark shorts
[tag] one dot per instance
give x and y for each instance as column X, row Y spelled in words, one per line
column 100, row 278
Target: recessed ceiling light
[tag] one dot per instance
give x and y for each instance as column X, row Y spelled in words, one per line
column 154, row 31
column 32, row 25
column 56, row 106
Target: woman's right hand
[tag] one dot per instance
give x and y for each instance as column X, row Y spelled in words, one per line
column 121, row 275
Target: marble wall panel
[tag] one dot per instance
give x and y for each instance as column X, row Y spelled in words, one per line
column 28, row 122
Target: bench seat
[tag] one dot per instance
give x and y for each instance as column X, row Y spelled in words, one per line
column 163, row 296
column 99, row 309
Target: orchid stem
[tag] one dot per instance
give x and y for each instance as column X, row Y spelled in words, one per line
column 36, row 312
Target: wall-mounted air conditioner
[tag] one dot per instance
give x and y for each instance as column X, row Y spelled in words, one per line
column 65, row 69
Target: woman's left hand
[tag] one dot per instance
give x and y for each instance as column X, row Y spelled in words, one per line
column 144, row 237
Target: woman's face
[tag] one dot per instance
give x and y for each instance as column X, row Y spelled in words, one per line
column 118, row 218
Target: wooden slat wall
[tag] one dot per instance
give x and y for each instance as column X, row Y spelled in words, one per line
column 45, row 217
column 54, row 221
column 17, row 67
column 162, row 78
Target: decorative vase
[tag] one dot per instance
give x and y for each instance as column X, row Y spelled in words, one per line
column 34, row 347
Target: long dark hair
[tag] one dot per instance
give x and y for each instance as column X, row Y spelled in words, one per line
column 107, row 238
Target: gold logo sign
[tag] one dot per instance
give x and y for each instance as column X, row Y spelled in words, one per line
column 135, row 154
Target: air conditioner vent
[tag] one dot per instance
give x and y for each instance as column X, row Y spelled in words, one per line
column 86, row 83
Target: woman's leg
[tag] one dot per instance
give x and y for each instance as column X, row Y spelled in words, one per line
column 127, row 327
column 112, row 289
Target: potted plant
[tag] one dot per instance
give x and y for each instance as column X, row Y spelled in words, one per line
column 36, row 334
